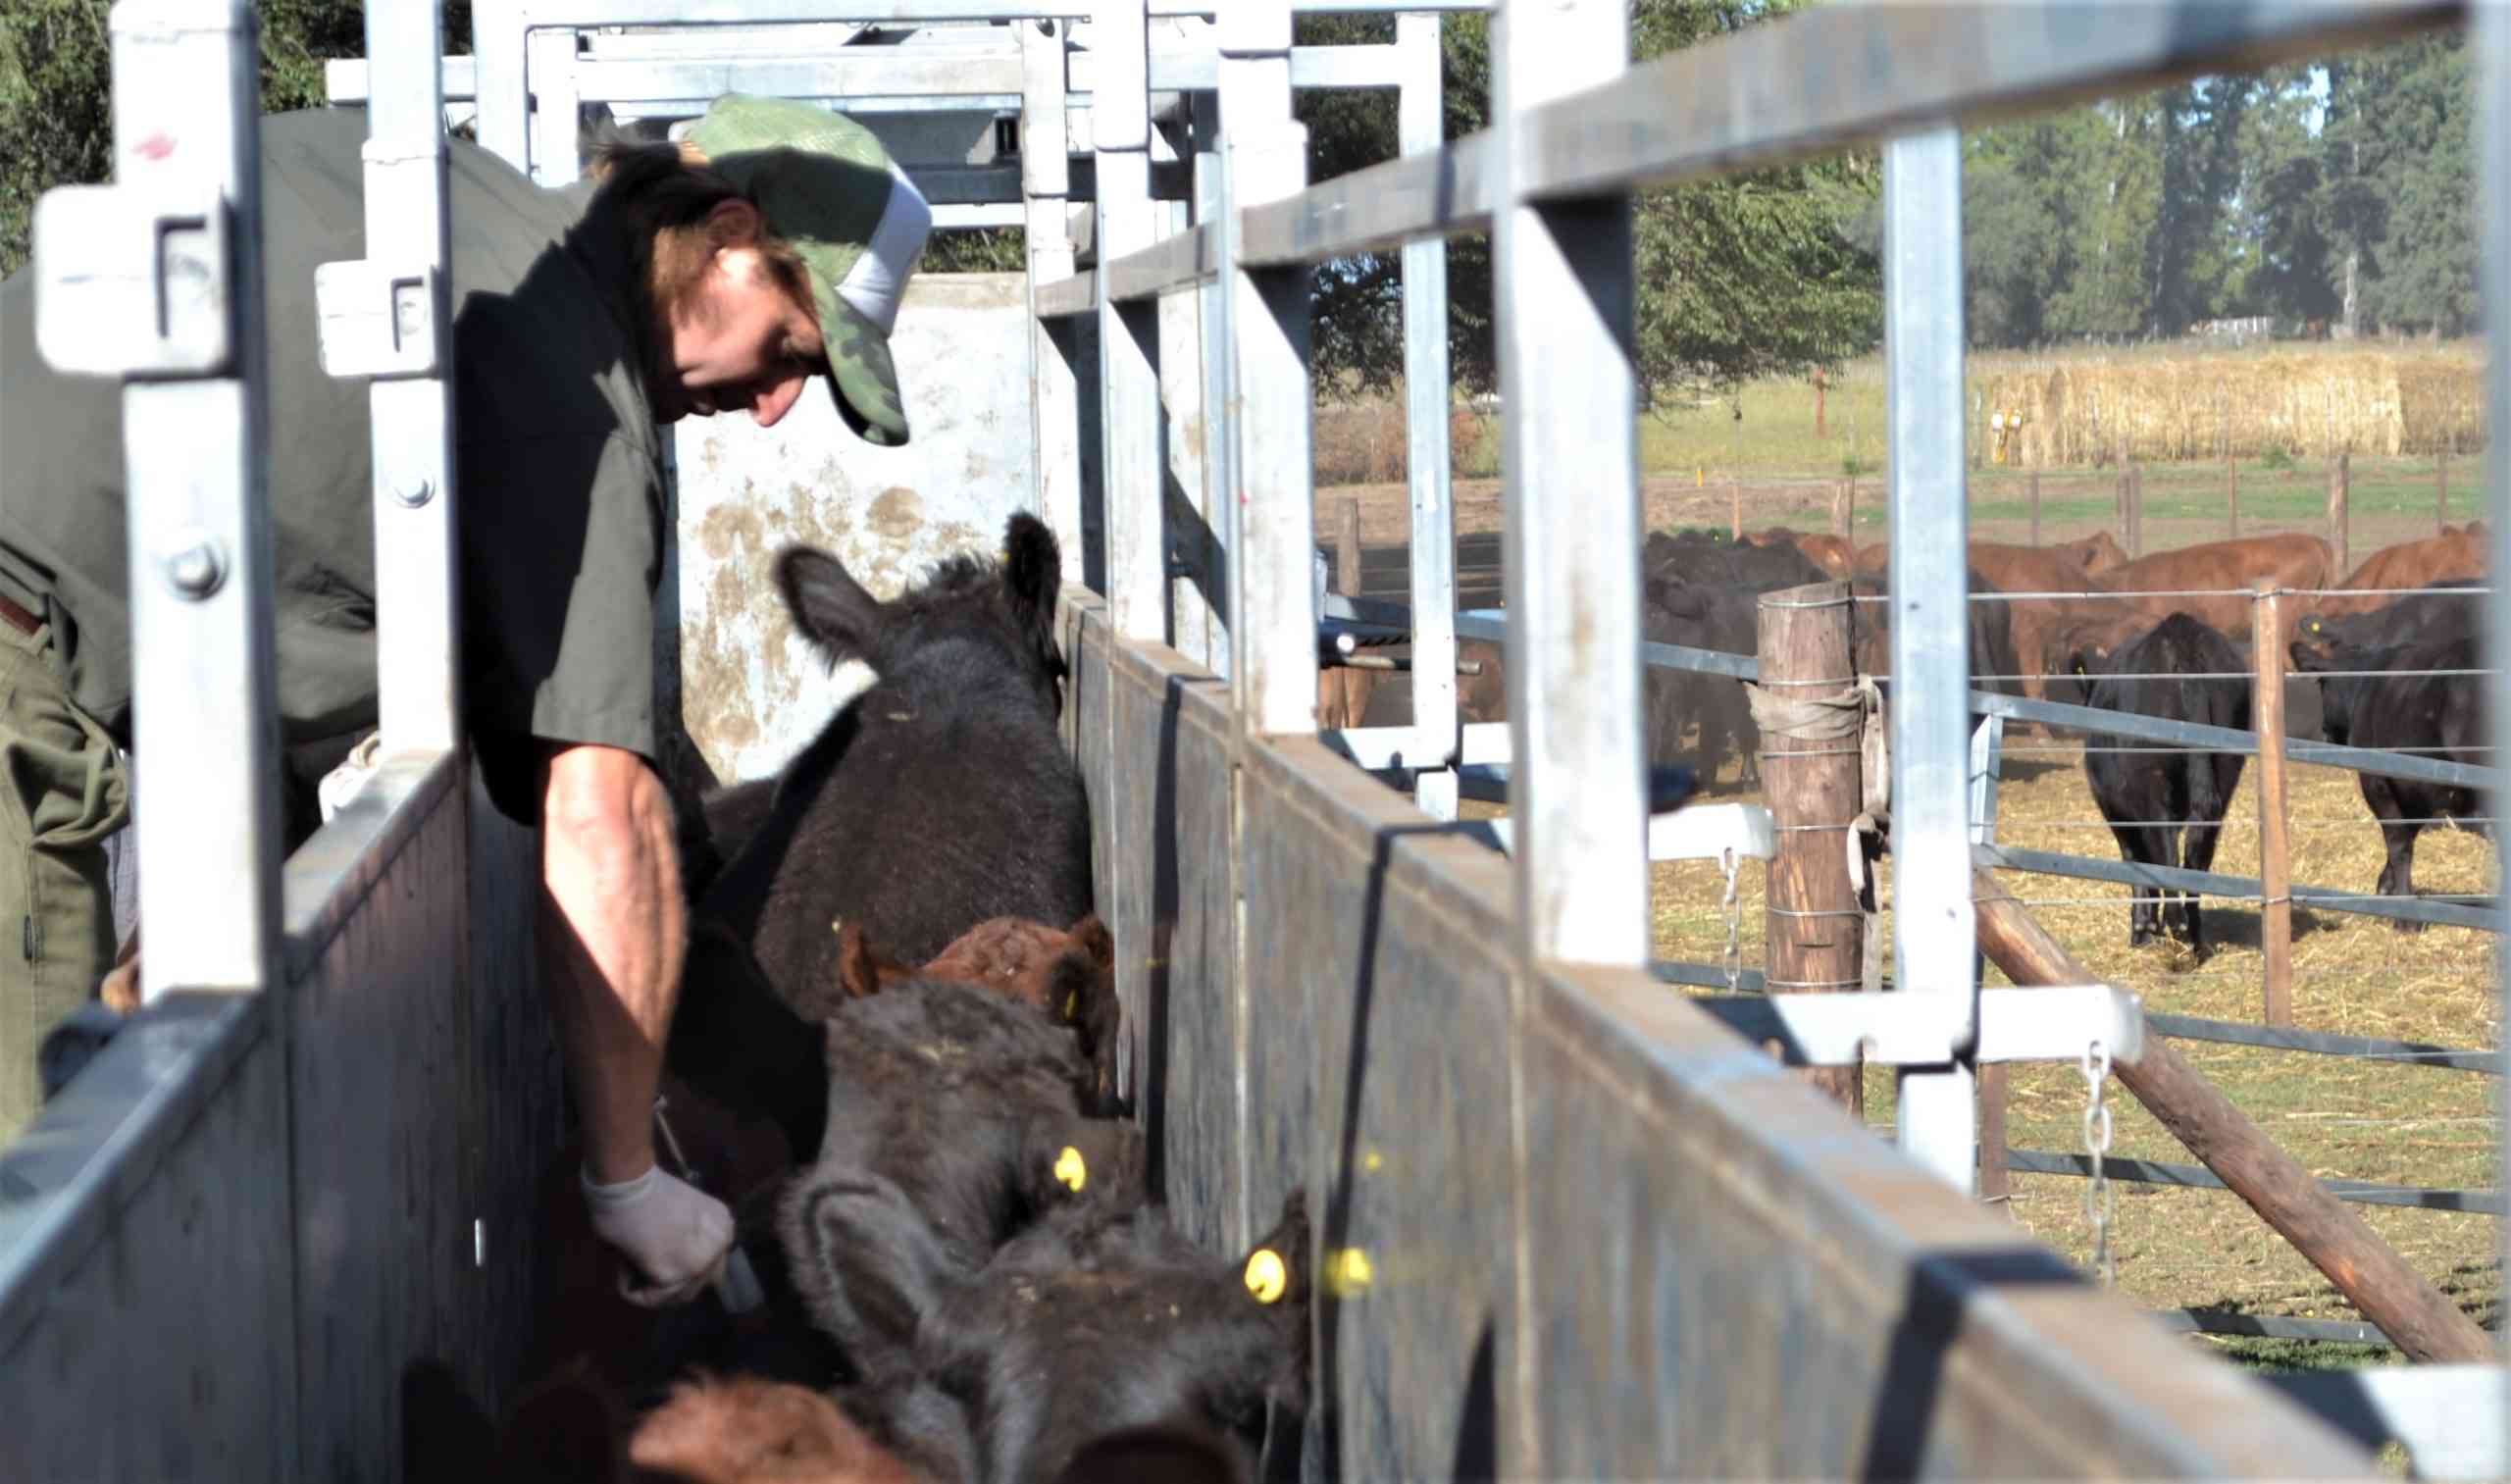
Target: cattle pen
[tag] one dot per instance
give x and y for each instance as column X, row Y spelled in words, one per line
column 1573, row 1223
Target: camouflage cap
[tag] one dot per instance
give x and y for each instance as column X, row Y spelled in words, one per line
column 828, row 188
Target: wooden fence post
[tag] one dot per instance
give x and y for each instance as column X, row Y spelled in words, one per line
column 2231, row 481
column 1819, row 381
column 1843, row 499
column 1814, row 931
column 2036, row 508
column 1735, row 508
column 2119, row 511
column 2441, row 500
column 2274, row 863
column 2136, row 510
column 1346, row 552
column 2340, row 477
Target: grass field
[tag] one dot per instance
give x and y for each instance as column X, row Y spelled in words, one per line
column 2340, row 1119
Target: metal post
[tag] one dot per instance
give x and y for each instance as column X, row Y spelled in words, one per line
column 1274, row 666
column 1220, row 513
column 557, row 118
column 157, row 279
column 1569, row 396
column 385, row 317
column 2275, row 858
column 497, row 41
column 1046, row 181
column 1128, row 334
column 1562, row 303
column 1934, row 941
column 1184, row 429
column 1420, row 127
column 1987, row 750
column 2491, row 42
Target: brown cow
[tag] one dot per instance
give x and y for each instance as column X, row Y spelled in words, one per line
column 1012, row 955
column 747, row 1430
column 2097, row 553
column 2455, row 556
column 1833, row 553
column 2033, row 622
column 2227, row 570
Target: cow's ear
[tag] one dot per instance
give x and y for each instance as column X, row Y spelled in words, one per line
column 829, row 606
column 1032, row 576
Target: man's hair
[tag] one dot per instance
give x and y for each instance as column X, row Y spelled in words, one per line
column 663, row 194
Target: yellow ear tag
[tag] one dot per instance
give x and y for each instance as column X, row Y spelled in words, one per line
column 1070, row 1169
column 1266, row 1278
column 1072, row 1004
column 1349, row 1273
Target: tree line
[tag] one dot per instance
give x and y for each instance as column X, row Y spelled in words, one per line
column 2335, row 194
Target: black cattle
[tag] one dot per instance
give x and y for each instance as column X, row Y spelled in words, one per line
column 1698, row 616
column 938, row 799
column 2438, row 614
column 2406, row 709
column 1696, row 556
column 957, row 1114
column 2166, row 807
column 1099, row 1320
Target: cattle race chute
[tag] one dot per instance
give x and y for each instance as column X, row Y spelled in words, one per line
column 1573, row 1225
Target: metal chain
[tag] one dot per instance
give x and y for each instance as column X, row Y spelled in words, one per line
column 1734, row 923
column 2100, row 1201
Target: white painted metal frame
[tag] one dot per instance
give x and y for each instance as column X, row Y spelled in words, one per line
column 1272, row 497
column 395, row 301
column 2490, row 43
column 1045, row 178
column 179, row 231
column 1562, row 301
column 1935, row 948
column 1128, row 333
column 1420, row 128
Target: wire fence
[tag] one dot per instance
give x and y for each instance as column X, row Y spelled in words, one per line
column 2096, row 734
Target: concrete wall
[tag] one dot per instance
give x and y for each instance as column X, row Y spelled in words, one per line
column 753, row 693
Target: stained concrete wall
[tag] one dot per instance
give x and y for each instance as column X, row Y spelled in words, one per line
column 753, row 691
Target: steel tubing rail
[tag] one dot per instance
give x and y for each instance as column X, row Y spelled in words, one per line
column 2198, row 1177
column 2229, row 739
column 2217, row 884
column 2277, row 1038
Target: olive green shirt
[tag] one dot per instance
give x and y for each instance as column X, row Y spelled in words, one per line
column 557, row 463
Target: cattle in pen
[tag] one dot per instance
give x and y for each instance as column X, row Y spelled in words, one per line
column 2166, row 805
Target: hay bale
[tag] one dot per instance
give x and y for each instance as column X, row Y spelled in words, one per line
column 2312, row 404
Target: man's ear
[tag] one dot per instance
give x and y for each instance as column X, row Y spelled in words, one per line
column 733, row 221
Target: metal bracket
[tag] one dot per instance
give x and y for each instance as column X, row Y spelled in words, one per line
column 377, row 320
column 1900, row 1029
column 135, row 281
column 1695, row 831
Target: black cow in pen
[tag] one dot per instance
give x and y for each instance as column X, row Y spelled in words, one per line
column 2421, row 696
column 2166, row 805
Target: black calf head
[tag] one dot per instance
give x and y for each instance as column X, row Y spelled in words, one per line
column 1008, row 604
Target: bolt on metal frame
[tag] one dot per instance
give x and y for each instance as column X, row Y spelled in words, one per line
column 157, row 279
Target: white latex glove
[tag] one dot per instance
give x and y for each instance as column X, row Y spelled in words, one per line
column 676, row 1236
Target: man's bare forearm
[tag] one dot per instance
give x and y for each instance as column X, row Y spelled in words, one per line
column 612, row 932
